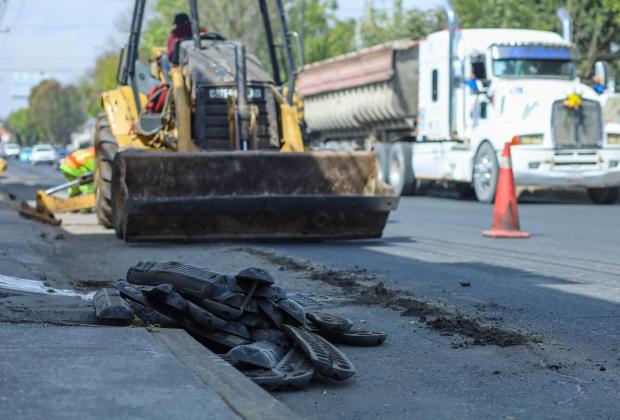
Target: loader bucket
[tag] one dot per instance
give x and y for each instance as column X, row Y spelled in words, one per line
column 248, row 195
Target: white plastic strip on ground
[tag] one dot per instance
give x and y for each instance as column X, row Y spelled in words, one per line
column 36, row 286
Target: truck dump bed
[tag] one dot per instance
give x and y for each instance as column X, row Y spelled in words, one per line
column 356, row 91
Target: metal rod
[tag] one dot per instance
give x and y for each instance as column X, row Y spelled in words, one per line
column 195, row 19
column 132, row 50
column 242, row 100
column 286, row 33
column 87, row 178
column 241, row 75
column 270, row 44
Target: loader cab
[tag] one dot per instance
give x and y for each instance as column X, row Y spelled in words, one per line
column 214, row 74
column 228, row 100
column 175, row 59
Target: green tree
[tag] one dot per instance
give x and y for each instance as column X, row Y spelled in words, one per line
column 234, row 19
column 159, row 27
column 324, row 34
column 26, row 132
column 100, row 79
column 532, row 14
column 56, row 110
column 378, row 26
column 596, row 23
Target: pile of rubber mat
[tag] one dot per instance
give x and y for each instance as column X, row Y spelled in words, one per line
column 251, row 323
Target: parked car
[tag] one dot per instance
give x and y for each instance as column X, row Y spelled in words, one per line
column 11, row 150
column 43, row 153
column 24, row 155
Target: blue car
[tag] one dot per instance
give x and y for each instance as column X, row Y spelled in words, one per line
column 24, row 155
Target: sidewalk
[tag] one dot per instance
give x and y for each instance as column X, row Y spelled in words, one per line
column 57, row 363
column 93, row 372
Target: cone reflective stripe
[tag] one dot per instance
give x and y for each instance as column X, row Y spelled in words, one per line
column 506, row 213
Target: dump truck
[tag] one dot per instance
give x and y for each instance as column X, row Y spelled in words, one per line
column 439, row 110
column 224, row 157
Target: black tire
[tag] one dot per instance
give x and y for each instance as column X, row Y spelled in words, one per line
column 382, row 150
column 604, row 195
column 118, row 201
column 106, row 149
column 400, row 171
column 485, row 173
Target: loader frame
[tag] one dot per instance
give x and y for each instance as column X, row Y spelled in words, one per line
column 282, row 191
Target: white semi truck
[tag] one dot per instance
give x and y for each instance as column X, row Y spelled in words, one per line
column 439, row 110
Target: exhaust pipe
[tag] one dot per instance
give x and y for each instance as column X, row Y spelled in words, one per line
column 452, row 25
column 562, row 13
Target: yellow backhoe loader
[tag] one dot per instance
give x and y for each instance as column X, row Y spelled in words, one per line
column 223, row 158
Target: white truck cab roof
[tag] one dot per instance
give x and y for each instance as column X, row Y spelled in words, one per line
column 482, row 39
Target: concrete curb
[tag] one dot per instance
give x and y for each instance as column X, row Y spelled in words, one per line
column 246, row 398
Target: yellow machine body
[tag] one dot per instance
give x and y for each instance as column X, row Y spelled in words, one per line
column 47, row 206
column 223, row 157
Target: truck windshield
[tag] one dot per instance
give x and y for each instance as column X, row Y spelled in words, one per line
column 532, row 61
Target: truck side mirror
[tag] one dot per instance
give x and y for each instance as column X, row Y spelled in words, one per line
column 601, row 73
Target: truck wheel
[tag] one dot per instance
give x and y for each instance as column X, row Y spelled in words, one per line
column 382, row 151
column 105, row 150
column 486, row 170
column 604, row 195
column 400, row 170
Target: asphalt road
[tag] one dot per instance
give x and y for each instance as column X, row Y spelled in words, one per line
column 555, row 296
column 24, row 179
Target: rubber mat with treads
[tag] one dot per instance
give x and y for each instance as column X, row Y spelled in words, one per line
column 328, row 322
column 327, row 359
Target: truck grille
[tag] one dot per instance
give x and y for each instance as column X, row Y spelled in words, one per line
column 580, row 128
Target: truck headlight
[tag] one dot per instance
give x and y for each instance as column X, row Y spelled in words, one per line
column 613, row 138
column 528, row 139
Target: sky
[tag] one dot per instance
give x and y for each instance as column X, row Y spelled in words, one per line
column 61, row 38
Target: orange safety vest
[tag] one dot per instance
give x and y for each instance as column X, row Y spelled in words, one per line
column 82, row 157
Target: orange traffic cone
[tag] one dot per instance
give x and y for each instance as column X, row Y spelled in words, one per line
column 506, row 214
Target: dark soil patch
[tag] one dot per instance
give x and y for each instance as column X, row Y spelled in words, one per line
column 444, row 321
column 285, row 263
column 407, row 305
column 344, row 279
column 482, row 335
